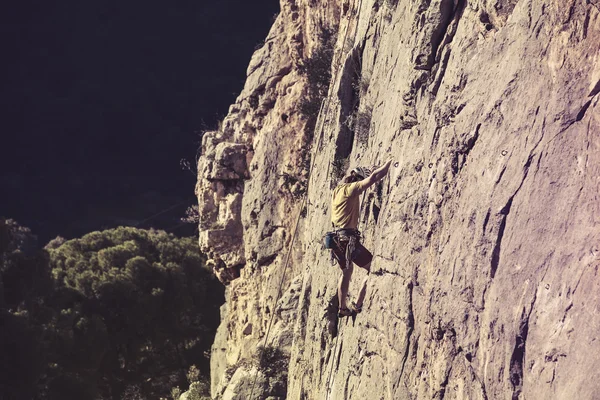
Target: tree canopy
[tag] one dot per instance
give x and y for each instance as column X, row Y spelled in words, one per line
column 119, row 313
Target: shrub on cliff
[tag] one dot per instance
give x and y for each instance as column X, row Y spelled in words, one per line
column 273, row 363
column 317, row 69
column 362, row 124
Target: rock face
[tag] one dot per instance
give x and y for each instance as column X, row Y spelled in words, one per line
column 486, row 232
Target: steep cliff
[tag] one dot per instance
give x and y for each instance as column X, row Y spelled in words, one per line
column 485, row 233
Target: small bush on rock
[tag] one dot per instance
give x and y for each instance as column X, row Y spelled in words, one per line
column 273, row 363
column 271, row 360
column 317, row 69
column 362, row 125
column 338, row 169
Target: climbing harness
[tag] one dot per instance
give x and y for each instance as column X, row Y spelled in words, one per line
column 342, row 239
column 347, row 239
column 351, row 236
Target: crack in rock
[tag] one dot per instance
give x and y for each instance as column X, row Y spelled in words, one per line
column 518, row 355
column 506, row 210
column 583, row 110
column 441, row 50
column 409, row 332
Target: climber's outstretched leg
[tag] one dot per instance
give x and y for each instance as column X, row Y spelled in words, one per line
column 361, row 257
column 363, row 290
column 343, row 284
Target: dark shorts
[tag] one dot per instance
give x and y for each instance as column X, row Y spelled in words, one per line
column 361, row 256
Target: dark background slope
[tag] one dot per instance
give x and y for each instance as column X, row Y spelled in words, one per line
column 100, row 100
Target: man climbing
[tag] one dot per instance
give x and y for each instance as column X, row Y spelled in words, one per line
column 345, row 210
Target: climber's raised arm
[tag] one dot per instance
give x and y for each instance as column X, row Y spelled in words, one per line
column 377, row 175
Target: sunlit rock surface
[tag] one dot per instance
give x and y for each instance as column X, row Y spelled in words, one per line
column 486, row 233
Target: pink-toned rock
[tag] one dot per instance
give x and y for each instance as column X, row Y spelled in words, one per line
column 485, row 282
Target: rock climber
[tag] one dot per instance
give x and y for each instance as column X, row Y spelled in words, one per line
column 346, row 246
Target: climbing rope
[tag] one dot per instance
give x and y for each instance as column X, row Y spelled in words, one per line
column 304, row 201
column 289, row 252
column 161, row 212
column 338, row 325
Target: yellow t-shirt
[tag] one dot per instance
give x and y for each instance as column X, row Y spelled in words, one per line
column 345, row 205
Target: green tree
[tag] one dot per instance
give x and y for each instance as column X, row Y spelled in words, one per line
column 24, row 281
column 155, row 304
column 101, row 317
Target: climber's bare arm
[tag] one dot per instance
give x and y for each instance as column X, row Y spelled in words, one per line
column 377, row 175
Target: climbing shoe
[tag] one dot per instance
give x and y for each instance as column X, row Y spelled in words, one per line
column 346, row 312
column 350, row 311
